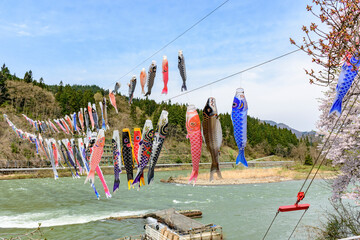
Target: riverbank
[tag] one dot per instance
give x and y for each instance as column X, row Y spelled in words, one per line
column 7, row 173
column 256, row 175
column 261, row 172
column 65, row 172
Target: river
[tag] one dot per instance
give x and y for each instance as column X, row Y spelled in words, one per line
column 71, row 209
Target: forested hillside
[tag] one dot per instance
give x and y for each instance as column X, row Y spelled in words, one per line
column 40, row 101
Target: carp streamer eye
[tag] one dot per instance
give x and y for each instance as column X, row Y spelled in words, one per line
column 126, row 140
column 234, row 105
column 137, row 138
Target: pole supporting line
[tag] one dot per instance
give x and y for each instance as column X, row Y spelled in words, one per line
column 166, row 45
column 234, row 74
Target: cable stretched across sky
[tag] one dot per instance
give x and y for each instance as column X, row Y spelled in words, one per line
column 234, row 74
column 176, row 38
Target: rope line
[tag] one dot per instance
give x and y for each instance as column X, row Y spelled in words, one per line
column 328, row 138
column 297, row 224
column 166, row 45
column 277, row 213
column 340, row 128
column 324, row 156
column 234, row 74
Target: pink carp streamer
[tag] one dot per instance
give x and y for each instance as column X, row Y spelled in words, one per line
column 142, row 80
column 96, row 154
column 193, row 127
column 91, row 116
column 165, row 72
column 113, row 100
column 102, row 179
column 137, row 139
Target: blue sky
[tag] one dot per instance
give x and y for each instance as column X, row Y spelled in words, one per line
column 96, row 42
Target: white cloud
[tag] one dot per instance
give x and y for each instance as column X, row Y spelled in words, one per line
column 23, row 33
column 21, row 25
column 29, row 29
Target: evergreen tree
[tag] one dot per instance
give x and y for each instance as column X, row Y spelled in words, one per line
column 28, row 78
column 156, row 116
column 142, row 120
column 4, row 95
column 5, row 71
column 59, row 92
column 87, row 96
column 308, row 160
column 41, row 83
column 133, row 112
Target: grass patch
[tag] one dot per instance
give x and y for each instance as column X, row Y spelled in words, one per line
column 306, row 168
column 297, row 172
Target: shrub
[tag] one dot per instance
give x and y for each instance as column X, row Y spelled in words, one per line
column 14, row 148
column 342, row 222
column 308, row 160
column 28, row 153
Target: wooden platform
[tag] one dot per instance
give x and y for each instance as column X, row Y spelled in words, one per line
column 176, row 220
column 177, row 225
column 187, row 213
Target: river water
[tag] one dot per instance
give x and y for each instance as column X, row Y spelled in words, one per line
column 71, row 209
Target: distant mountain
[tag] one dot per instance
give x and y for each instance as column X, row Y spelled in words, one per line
column 298, row 133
